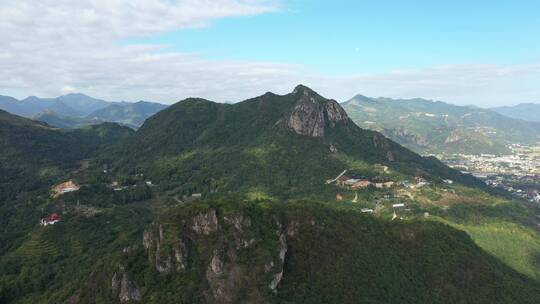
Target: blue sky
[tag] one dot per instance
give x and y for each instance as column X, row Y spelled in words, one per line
column 340, row 37
column 485, row 53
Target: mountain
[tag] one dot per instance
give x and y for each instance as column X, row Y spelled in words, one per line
column 83, row 104
column 275, row 145
column 232, row 203
column 129, row 114
column 33, row 105
column 525, row 111
column 65, row 122
column 66, row 105
column 436, row 127
column 10, row 104
column 76, row 110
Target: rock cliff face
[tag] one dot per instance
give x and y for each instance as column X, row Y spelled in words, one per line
column 240, row 266
column 124, row 288
column 227, row 274
column 205, row 223
column 165, row 257
column 313, row 113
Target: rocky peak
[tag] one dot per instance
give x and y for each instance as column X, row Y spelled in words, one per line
column 124, row 288
column 304, row 90
column 314, row 113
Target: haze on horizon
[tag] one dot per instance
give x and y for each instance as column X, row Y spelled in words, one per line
column 483, row 53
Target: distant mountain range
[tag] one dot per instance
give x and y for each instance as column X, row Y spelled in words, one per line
column 525, row 111
column 127, row 113
column 76, row 110
column 427, row 126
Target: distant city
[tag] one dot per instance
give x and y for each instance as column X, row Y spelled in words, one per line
column 517, row 173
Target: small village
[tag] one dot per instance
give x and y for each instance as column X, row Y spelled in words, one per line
column 57, row 191
column 394, row 195
column 509, row 173
column 137, row 183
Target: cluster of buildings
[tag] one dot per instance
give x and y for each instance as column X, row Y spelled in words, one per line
column 517, row 173
column 518, row 186
column 116, row 186
column 57, row 191
column 524, row 160
column 356, row 183
column 63, row 188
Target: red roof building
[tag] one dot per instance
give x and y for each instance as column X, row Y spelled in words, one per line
column 50, row 220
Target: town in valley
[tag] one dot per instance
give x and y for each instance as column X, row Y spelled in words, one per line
column 517, row 173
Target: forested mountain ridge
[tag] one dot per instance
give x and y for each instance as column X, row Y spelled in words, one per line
column 273, row 143
column 127, row 113
column 32, row 152
column 525, row 111
column 436, row 127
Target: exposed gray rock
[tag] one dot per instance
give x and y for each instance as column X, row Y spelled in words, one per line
column 292, row 228
column 129, row 291
column 240, row 223
column 313, row 114
column 115, row 282
column 165, row 260
column 216, row 265
column 276, row 279
column 205, row 223
column 160, row 232
column 148, row 240
column 181, row 254
column 229, row 279
column 128, row 250
column 224, row 279
column 126, row 289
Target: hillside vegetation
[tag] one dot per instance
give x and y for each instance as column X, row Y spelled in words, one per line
column 278, row 145
column 261, row 252
column 525, row 111
column 33, row 153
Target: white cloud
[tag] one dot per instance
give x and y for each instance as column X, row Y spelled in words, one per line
column 68, row 89
column 51, row 47
column 54, row 44
column 483, row 85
